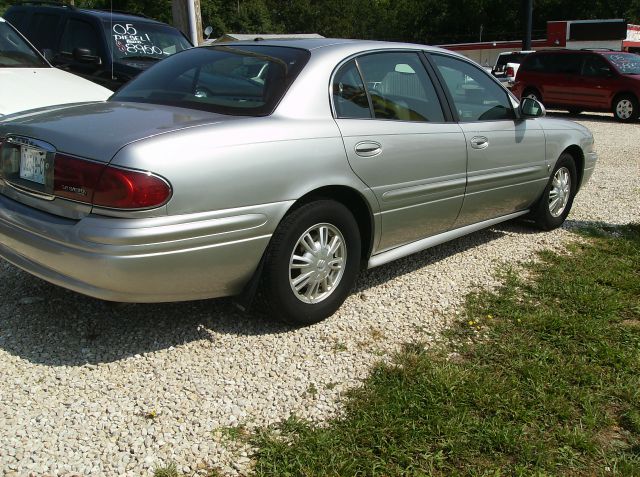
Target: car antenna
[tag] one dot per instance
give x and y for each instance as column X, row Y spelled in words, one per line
column 111, row 35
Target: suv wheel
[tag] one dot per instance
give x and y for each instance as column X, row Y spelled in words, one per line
column 312, row 263
column 625, row 108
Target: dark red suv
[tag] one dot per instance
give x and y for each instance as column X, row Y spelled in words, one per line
column 583, row 80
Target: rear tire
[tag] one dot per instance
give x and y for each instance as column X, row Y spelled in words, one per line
column 553, row 207
column 625, row 108
column 312, row 263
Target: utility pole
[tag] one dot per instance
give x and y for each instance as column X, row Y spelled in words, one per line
column 188, row 18
column 528, row 23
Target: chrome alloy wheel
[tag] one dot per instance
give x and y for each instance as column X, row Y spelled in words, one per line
column 560, row 191
column 624, row 109
column 317, row 263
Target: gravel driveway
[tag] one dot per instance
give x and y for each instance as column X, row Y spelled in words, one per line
column 93, row 388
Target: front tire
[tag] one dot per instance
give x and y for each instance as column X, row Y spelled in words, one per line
column 625, row 108
column 553, row 207
column 312, row 263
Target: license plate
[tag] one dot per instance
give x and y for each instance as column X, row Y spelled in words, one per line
column 32, row 164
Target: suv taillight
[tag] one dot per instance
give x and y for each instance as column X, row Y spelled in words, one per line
column 103, row 185
column 510, row 71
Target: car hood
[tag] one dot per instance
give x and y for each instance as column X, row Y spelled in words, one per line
column 28, row 88
column 98, row 130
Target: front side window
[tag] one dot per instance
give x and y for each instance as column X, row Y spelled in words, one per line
column 246, row 80
column 399, row 87
column 596, row 67
column 475, row 95
column 143, row 40
column 349, row 95
column 15, row 52
column 79, row 34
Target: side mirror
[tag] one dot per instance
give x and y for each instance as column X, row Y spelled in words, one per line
column 83, row 55
column 48, row 54
column 207, row 32
column 531, row 108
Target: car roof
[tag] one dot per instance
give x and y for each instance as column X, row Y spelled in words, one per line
column 312, row 44
column 103, row 15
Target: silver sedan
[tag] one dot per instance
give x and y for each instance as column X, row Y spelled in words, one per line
column 282, row 167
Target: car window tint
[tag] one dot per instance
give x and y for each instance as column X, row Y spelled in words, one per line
column 595, row 66
column 44, row 27
column 567, row 64
column 349, row 96
column 475, row 95
column 15, row 52
column 400, row 87
column 79, row 34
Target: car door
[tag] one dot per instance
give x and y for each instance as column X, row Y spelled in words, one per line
column 565, row 76
column 81, row 34
column 593, row 89
column 401, row 143
column 506, row 167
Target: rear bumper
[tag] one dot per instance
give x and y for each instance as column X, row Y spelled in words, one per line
column 163, row 259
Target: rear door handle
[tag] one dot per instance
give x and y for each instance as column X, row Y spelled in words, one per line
column 368, row 148
column 479, row 142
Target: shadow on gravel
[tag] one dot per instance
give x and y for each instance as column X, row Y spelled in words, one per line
column 584, row 117
column 49, row 325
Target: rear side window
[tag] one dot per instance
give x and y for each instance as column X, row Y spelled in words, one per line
column 349, row 95
column 475, row 95
column 400, row 88
column 79, row 34
column 562, row 63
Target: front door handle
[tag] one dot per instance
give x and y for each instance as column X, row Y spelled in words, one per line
column 368, row 148
column 479, row 142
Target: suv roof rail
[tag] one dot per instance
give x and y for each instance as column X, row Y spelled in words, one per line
column 598, row 49
column 124, row 12
column 53, row 3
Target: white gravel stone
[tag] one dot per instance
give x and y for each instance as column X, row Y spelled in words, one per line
column 92, row 388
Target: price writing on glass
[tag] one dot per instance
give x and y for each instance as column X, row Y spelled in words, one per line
column 129, row 42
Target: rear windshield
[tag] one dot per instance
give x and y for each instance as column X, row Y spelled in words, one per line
column 239, row 80
column 144, row 40
column 15, row 52
column 625, row 63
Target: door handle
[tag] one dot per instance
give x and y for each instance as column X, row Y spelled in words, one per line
column 479, row 142
column 368, row 148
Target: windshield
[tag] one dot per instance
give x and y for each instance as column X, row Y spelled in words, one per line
column 15, row 52
column 144, row 40
column 625, row 63
column 240, row 80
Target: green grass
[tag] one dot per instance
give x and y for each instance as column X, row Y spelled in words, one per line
column 541, row 378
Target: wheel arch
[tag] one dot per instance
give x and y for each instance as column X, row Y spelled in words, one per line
column 352, row 200
column 623, row 93
column 577, row 153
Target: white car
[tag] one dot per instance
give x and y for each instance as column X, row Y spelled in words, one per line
column 28, row 81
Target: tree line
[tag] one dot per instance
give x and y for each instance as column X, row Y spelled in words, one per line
column 420, row 21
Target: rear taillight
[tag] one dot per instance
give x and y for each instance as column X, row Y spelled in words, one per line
column 107, row 186
column 74, row 178
column 127, row 189
column 510, row 71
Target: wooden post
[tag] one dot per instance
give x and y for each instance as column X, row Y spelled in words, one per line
column 181, row 20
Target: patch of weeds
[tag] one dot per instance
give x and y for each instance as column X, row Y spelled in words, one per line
column 170, row 470
column 541, row 377
column 339, row 346
column 312, row 390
